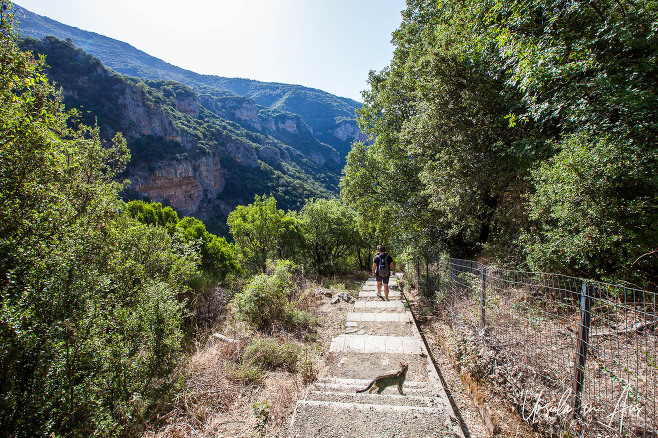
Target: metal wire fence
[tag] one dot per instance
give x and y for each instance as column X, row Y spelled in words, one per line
column 573, row 355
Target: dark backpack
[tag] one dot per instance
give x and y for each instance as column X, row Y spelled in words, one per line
column 383, row 269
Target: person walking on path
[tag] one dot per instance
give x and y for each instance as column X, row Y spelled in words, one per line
column 382, row 266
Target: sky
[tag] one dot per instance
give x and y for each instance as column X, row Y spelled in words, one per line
column 325, row 44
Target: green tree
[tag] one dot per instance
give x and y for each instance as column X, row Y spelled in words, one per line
column 445, row 157
column 591, row 68
column 153, row 213
column 594, row 208
column 330, row 230
column 261, row 230
column 218, row 258
column 89, row 316
column 477, row 115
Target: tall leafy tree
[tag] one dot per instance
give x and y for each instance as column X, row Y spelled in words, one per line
column 330, row 230
column 260, row 230
column 218, row 258
column 589, row 67
column 89, row 316
column 497, row 119
column 445, row 159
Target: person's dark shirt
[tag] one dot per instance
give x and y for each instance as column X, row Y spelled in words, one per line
column 378, row 259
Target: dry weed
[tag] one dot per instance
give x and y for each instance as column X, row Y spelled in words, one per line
column 212, row 404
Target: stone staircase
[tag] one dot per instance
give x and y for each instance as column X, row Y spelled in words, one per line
column 378, row 336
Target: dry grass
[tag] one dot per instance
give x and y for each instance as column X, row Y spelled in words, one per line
column 214, row 403
column 463, row 367
column 526, row 356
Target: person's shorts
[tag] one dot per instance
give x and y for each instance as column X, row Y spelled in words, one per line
column 381, row 279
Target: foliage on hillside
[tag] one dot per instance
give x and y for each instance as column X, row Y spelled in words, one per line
column 218, row 258
column 318, row 108
column 99, row 95
column 523, row 132
column 90, row 322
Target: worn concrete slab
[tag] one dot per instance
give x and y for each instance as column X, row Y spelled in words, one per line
column 340, row 419
column 402, row 317
column 376, row 344
column 373, row 294
column 379, row 305
column 385, row 398
column 339, row 384
column 394, row 345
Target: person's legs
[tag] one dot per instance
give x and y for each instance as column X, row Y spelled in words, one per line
column 379, row 284
column 385, row 281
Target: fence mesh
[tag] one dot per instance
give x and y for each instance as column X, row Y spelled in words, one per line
column 573, row 355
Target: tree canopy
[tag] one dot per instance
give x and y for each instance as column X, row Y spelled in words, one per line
column 523, row 132
column 90, row 316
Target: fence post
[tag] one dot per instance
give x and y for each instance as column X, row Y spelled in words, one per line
column 581, row 346
column 483, row 296
column 418, row 272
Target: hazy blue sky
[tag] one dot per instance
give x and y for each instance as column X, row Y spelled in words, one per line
column 326, row 44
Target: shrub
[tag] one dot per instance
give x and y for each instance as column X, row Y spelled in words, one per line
column 300, row 319
column 265, row 299
column 90, row 317
column 249, row 373
column 268, row 353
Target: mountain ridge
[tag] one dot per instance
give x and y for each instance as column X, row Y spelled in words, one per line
column 201, row 154
column 323, row 111
column 200, row 143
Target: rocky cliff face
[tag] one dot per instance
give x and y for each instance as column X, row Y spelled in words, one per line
column 188, row 105
column 235, row 108
column 289, row 123
column 349, row 131
column 140, row 116
column 287, row 127
column 181, row 184
column 201, row 154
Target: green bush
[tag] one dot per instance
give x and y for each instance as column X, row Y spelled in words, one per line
column 90, row 317
column 264, row 301
column 269, row 354
column 300, row 319
column 248, row 372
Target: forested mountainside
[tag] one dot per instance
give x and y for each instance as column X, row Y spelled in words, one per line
column 331, row 118
column 202, row 152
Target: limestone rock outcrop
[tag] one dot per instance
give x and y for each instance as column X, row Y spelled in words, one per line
column 349, row 131
column 181, row 184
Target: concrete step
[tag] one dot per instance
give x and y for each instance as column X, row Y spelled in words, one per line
column 371, row 282
column 401, row 317
column 373, row 285
column 376, row 344
column 392, row 294
column 350, row 386
column 385, row 398
column 379, row 328
column 379, row 306
column 335, row 419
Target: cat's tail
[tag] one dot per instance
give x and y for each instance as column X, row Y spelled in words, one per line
column 367, row 387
